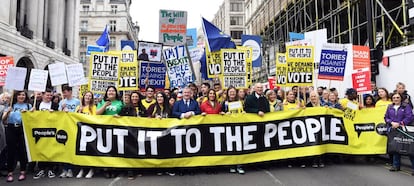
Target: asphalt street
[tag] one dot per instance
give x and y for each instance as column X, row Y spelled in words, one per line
column 360, row 173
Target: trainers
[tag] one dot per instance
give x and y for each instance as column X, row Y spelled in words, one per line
column 289, row 166
column 10, row 177
column 51, row 174
column 171, row 173
column 393, row 169
column 232, row 170
column 80, row 174
column 90, row 174
column 39, row 174
column 315, row 165
column 303, row 166
column 321, row 165
column 22, row 176
column 69, row 174
column 63, row 174
column 131, row 175
column 240, row 170
column 159, row 173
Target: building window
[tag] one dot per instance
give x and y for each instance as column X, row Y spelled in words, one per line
column 112, row 25
column 83, row 41
column 114, row 9
column 236, row 7
column 236, row 34
column 236, row 20
column 112, row 42
column 82, row 58
column 85, row 8
column 84, row 26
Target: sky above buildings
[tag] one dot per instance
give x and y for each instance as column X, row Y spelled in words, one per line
column 147, row 14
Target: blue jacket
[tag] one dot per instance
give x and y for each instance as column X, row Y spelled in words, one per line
column 404, row 114
column 180, row 107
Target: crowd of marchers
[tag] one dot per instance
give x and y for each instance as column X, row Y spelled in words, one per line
column 182, row 103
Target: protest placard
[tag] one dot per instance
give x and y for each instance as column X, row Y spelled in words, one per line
column 281, row 69
column 128, row 71
column 333, row 62
column 83, row 89
column 38, row 79
column 361, row 80
column 299, row 61
column 173, row 27
column 149, row 51
column 234, row 68
column 213, row 60
column 5, row 63
column 16, row 78
column 179, row 66
column 76, row 75
column 103, row 71
column 57, row 72
column 361, row 57
column 154, row 73
column 249, row 62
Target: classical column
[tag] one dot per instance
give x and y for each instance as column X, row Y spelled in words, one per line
column 61, row 24
column 70, row 23
column 53, row 20
column 46, row 19
column 40, row 17
column 76, row 38
column 13, row 11
column 5, row 12
column 31, row 15
column 22, row 12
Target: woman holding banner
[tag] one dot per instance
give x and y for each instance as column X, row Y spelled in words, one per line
column 333, row 101
column 136, row 103
column 161, row 108
column 314, row 101
column 275, row 104
column 383, row 98
column 211, row 106
column 110, row 105
column 292, row 102
column 15, row 136
column 88, row 107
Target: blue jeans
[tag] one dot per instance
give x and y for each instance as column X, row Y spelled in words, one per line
column 397, row 161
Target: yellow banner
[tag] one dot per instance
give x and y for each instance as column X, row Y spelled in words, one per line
column 106, row 141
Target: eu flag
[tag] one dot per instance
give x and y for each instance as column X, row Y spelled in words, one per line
column 104, row 39
column 216, row 39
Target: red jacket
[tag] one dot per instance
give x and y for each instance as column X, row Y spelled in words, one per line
column 208, row 108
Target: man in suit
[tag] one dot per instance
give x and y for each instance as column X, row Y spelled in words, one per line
column 256, row 102
column 186, row 107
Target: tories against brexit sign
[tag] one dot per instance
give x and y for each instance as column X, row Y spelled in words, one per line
column 179, row 66
column 152, row 74
column 300, row 65
column 103, row 71
column 234, row 68
column 333, row 62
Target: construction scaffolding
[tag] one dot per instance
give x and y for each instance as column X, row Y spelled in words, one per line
column 345, row 20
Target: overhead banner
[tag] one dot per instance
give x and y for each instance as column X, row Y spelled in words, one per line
column 281, row 69
column 234, row 68
column 173, row 27
column 299, row 61
column 152, row 74
column 5, row 63
column 179, row 67
column 128, row 71
column 106, row 141
column 149, row 51
column 103, row 71
column 333, row 61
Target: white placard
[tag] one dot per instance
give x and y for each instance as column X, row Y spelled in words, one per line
column 235, row 105
column 38, row 80
column 76, row 75
column 352, row 105
column 15, row 78
column 57, row 74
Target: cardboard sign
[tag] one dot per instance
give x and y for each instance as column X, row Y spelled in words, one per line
column 281, row 69
column 179, row 66
column 154, row 73
column 173, row 27
column 5, row 63
column 76, row 75
column 16, row 78
column 57, row 72
column 128, row 71
column 213, row 60
column 333, row 62
column 149, row 51
column 103, row 71
column 234, row 68
column 38, row 80
column 361, row 80
column 300, row 65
